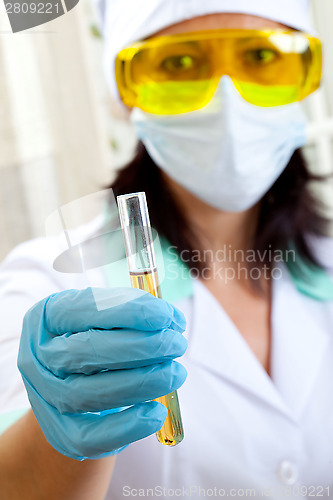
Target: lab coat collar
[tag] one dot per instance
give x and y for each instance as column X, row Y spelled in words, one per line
column 298, row 345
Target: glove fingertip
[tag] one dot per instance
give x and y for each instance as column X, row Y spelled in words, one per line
column 179, row 321
column 179, row 374
column 153, row 411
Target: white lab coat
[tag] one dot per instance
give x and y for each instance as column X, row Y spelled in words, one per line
column 243, row 430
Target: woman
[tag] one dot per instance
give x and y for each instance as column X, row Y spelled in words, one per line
column 223, row 172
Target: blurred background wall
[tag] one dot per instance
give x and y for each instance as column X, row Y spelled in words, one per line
column 61, row 136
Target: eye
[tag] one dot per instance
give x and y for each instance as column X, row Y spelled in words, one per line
column 179, row 63
column 261, row 56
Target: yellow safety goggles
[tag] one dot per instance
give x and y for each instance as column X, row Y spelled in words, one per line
column 176, row 74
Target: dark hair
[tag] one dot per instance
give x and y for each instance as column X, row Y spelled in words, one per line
column 289, row 211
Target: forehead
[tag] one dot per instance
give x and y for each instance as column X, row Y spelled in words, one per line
column 220, row 21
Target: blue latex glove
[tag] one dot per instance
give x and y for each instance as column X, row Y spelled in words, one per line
column 81, row 366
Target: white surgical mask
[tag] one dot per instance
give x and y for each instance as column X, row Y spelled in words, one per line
column 228, row 153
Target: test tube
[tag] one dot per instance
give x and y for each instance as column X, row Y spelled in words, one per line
column 139, row 247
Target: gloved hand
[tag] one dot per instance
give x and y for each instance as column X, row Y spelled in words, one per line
column 81, row 366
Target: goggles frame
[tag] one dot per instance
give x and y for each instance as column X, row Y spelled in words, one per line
column 266, row 95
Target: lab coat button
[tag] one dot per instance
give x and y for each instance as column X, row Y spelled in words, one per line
column 287, row 472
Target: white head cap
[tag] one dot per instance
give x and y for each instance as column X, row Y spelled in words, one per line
column 126, row 21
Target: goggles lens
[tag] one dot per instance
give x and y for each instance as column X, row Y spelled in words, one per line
column 180, row 73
